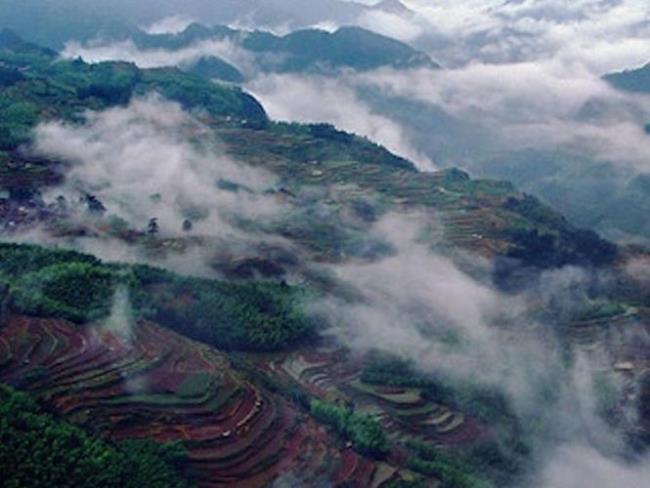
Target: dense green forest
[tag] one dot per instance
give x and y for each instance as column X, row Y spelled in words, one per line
column 80, row 288
column 44, row 451
column 35, row 83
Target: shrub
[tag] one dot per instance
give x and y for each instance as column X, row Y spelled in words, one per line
column 363, row 431
column 76, row 291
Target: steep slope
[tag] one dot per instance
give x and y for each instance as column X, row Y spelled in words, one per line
column 158, row 385
column 393, row 7
column 487, row 216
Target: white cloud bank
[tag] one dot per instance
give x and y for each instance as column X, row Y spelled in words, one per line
column 579, row 466
column 151, row 159
column 169, row 25
column 99, row 51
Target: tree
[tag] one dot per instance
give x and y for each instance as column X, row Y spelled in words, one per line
column 95, row 206
column 152, row 227
column 363, row 431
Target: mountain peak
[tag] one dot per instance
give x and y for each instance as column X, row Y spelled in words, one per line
column 393, row 7
column 632, row 80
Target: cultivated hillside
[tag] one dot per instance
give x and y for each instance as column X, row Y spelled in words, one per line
column 252, row 310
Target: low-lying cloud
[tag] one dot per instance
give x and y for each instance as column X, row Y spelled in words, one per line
column 579, row 466
column 173, row 24
column 452, row 323
column 98, row 51
column 611, row 34
column 324, row 99
column 152, row 160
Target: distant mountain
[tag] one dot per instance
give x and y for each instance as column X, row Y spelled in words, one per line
column 348, row 47
column 214, row 68
column 11, row 41
column 62, row 20
column 393, row 7
column 634, row 80
column 306, row 50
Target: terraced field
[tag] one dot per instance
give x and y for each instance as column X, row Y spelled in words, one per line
column 473, row 212
column 405, row 413
column 156, row 384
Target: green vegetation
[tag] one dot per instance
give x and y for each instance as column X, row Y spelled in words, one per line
column 549, row 248
column 363, row 431
column 486, row 464
column 323, row 142
column 39, row 450
column 36, row 83
column 452, row 471
column 484, row 402
column 194, row 92
column 194, row 385
column 500, row 460
column 78, row 287
column 76, row 291
column 253, row 316
column 42, row 87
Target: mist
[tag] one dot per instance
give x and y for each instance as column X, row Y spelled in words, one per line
column 317, row 98
column 151, row 160
column 584, row 467
column 98, row 51
column 520, row 97
column 441, row 313
column 121, row 320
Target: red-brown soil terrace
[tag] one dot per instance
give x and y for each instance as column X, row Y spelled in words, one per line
column 158, row 384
